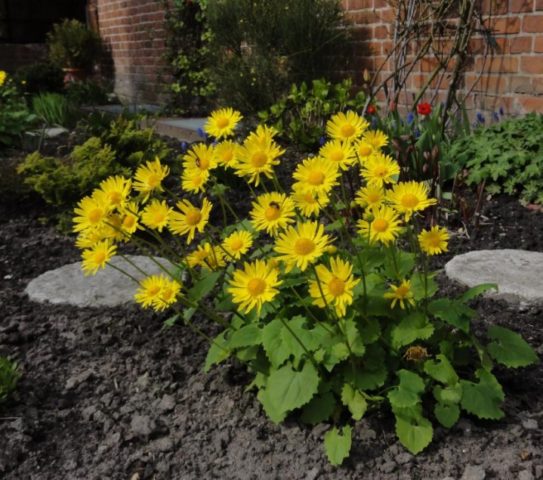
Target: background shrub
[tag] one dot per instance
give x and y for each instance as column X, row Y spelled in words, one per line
column 54, row 109
column 40, row 77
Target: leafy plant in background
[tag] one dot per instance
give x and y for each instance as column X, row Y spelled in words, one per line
column 261, row 48
column 188, row 51
column 54, row 109
column 40, row 78
column 15, row 117
column 87, row 92
column 322, row 291
column 300, row 116
column 9, row 375
column 507, row 157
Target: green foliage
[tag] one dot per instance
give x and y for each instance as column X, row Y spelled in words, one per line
column 40, row 78
column 54, row 109
column 507, row 156
column 301, row 115
column 260, row 48
column 88, row 92
column 337, row 444
column 509, row 348
column 9, row 375
column 72, row 45
column 188, row 52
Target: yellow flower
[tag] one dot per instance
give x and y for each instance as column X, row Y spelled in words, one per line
column 148, row 177
column 364, row 150
column 272, row 212
column 90, row 237
column 308, row 203
column 158, row 292
column 191, row 219
column 401, row 294
column 113, row 228
column 257, row 156
column 130, row 219
column 201, row 157
column 334, row 287
column 207, row 256
column 376, row 138
column 221, row 123
column 302, row 245
column 315, row 175
column 380, row 169
column 434, row 241
column 339, row 153
column 193, row 180
column 254, row 285
column 346, row 126
column 3, row 76
column 97, row 256
column 226, row 153
column 370, row 196
column 156, row 215
column 90, row 213
column 384, row 227
column 238, row 243
column 116, row 190
column 410, row 197
column 169, row 291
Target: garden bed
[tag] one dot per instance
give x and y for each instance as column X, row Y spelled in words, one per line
column 108, row 393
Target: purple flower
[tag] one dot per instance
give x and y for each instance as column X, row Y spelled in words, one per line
column 322, row 141
column 417, row 133
column 496, row 116
column 184, row 147
column 480, row 117
column 374, row 122
column 201, row 133
column 410, row 118
column 502, row 112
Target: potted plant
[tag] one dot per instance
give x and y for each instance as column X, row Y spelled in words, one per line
column 74, row 48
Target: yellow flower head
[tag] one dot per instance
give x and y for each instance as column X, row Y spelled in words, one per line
column 130, row 218
column 148, row 177
column 201, row 157
column 207, row 256
column 193, row 180
column 315, row 175
column 376, row 138
column 334, row 287
column 346, row 126
column 410, row 197
column 401, row 294
column 226, row 153
column 221, row 123
column 254, row 285
column 257, row 156
column 364, row 150
column 272, row 212
column 263, row 134
column 90, row 237
column 238, row 243
column 339, row 153
column 113, row 228
column 3, row 76
column 302, row 245
column 116, row 190
column 308, row 203
column 370, row 196
column 97, row 257
column 91, row 213
column 380, row 169
column 384, row 227
column 156, row 215
column 191, row 219
column 157, row 292
column 434, row 241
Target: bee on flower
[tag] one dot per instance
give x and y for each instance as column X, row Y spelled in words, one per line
column 272, row 212
column 200, row 157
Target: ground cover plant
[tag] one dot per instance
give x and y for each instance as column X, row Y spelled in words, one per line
column 9, row 375
column 321, row 288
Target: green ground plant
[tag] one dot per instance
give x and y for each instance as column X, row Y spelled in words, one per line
column 54, row 109
column 9, row 376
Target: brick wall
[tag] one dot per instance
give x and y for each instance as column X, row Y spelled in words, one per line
column 133, row 32
column 512, row 78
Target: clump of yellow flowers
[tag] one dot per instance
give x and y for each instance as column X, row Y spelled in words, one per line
column 317, row 270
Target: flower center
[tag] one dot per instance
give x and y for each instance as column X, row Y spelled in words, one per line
column 433, row 239
column 364, row 150
column 222, row 122
column 153, row 180
column 167, row 294
column 236, row 244
column 259, row 159
column 337, row 156
column 347, row 130
column 315, row 177
column 227, row 156
column 373, row 197
column 256, row 286
column 402, row 291
column 159, row 217
column 115, row 198
column 95, row 215
column 202, row 163
column 409, row 200
column 193, row 217
column 153, row 290
column 309, row 198
column 380, row 225
column 129, row 221
column 99, row 257
column 304, row 246
column 336, row 286
column 272, row 213
column 380, row 171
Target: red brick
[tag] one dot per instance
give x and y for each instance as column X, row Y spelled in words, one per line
column 539, row 5
column 519, row 45
column 531, row 104
column 532, row 64
column 538, row 45
column 487, row 83
column 532, row 24
column 504, row 25
column 500, row 64
column 521, row 85
column 496, row 7
column 381, row 32
column 359, row 4
column 519, row 6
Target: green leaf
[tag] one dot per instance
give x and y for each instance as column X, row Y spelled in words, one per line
column 448, row 395
column 370, row 330
column 453, row 312
column 307, row 337
column 412, row 327
column 414, row 431
column 287, row 389
column 476, row 291
column 373, row 372
column 201, row 288
column 483, row 399
column 275, row 413
column 276, row 350
column 441, row 370
column 337, row 445
column 217, row 352
column 447, row 414
column 408, row 392
column 354, row 338
column 509, row 348
column 354, row 401
column 246, row 336
column 319, row 409
column 399, row 266
column 170, row 322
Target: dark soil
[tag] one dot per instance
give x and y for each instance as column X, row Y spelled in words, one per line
column 109, row 394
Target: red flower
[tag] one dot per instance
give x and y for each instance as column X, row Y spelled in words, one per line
column 371, row 110
column 424, row 109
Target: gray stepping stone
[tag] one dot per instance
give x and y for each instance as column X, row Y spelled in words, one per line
column 109, row 287
column 518, row 273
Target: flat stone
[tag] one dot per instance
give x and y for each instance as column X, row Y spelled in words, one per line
column 474, row 472
column 518, row 273
column 109, row 287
